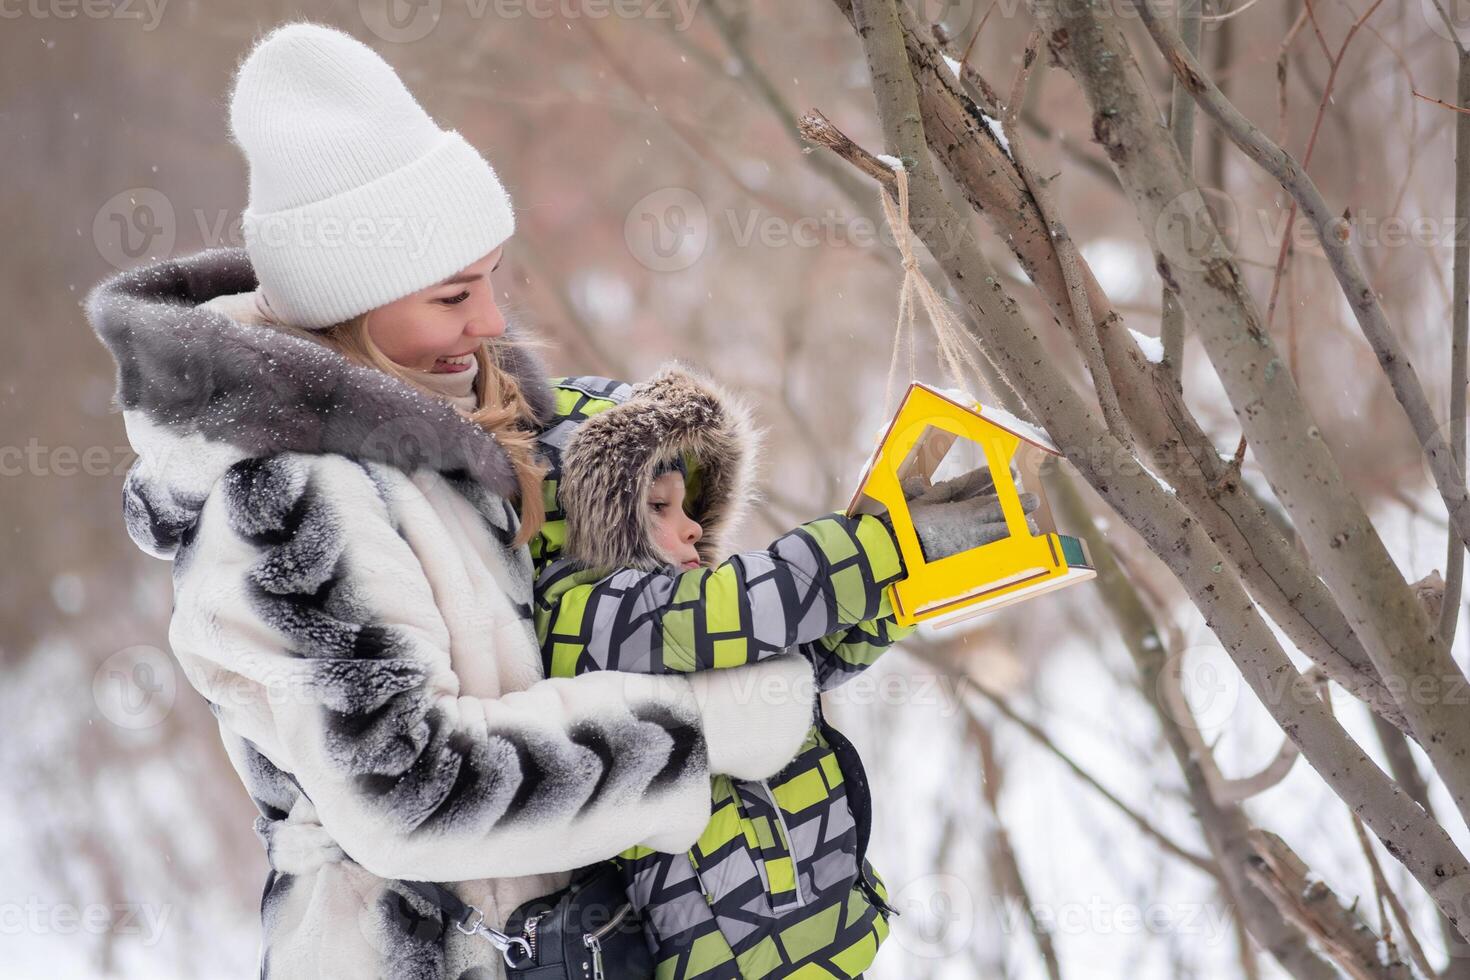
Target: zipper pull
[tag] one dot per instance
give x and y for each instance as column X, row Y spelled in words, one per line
column 529, row 931
column 595, row 944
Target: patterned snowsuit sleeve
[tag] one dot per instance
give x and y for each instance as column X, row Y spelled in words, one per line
column 821, row 580
column 842, row 655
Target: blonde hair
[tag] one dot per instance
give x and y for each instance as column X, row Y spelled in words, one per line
column 503, row 409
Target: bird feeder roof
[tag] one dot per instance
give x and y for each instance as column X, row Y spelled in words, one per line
column 996, row 416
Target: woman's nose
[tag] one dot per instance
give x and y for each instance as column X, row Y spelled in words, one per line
column 694, row 533
column 487, row 321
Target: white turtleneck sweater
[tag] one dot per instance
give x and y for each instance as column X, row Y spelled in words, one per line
column 458, row 387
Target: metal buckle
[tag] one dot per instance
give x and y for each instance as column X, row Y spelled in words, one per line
column 477, row 926
column 513, row 949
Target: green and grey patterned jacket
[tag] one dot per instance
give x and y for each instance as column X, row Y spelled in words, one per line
column 779, row 884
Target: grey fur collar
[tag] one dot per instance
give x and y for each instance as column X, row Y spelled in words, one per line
column 608, row 466
column 196, row 371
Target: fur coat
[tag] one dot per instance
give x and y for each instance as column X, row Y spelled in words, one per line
column 348, row 600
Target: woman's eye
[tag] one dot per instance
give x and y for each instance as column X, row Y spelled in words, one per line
column 456, row 300
column 658, row 507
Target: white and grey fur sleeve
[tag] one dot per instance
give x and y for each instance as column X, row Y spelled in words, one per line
column 303, row 613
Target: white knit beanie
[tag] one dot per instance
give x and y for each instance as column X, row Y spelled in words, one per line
column 357, row 197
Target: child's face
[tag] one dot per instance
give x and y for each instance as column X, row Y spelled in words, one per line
column 674, row 532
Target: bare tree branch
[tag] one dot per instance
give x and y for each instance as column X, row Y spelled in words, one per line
column 1459, row 329
column 751, row 73
column 1066, row 249
column 1226, row 828
column 1346, row 548
column 1226, row 792
column 1419, row 842
column 1013, row 881
column 1388, row 900
column 1209, row 486
column 1332, row 233
column 1036, row 732
column 1322, row 103
column 1306, row 900
column 1181, row 127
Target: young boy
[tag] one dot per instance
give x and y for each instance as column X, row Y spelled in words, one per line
column 646, row 483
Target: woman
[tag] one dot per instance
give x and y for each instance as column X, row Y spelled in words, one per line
column 352, row 593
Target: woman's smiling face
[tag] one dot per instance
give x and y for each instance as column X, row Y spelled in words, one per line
column 435, row 329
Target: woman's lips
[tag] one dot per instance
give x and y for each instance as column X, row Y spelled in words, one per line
column 453, row 364
column 690, row 564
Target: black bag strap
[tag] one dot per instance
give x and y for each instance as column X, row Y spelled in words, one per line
column 471, row 921
column 852, row 769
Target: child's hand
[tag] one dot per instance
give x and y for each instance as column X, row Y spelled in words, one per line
column 961, row 487
column 950, row 527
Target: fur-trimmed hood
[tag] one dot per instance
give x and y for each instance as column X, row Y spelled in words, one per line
column 609, row 464
column 199, row 391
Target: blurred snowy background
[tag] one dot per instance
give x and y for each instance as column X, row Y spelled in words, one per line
column 666, row 209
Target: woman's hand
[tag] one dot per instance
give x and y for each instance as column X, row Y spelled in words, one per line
column 755, row 717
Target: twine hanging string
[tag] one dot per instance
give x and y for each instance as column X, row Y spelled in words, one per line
column 954, row 342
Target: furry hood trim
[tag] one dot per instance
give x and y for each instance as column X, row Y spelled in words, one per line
column 200, row 376
column 609, row 465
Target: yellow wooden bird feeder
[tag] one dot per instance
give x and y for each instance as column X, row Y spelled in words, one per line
column 928, row 425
